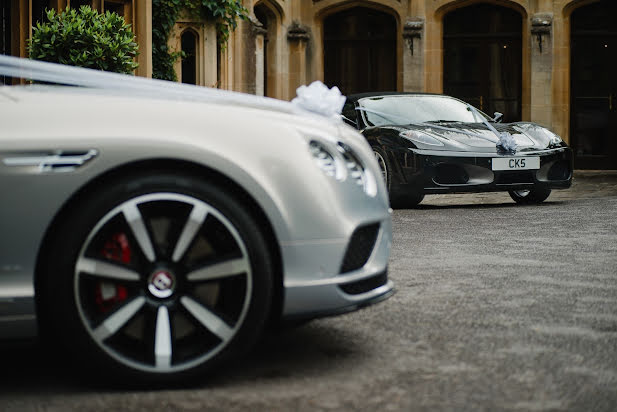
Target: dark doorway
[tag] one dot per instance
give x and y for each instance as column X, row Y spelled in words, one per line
column 39, row 11
column 360, row 51
column 594, row 86
column 75, row 4
column 483, row 58
column 189, row 61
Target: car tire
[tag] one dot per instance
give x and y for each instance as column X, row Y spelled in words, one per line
column 406, row 201
column 156, row 279
column 531, row 196
column 397, row 201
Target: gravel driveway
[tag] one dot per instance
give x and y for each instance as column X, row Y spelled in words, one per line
column 498, row 307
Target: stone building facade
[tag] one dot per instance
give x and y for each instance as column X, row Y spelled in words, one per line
column 546, row 61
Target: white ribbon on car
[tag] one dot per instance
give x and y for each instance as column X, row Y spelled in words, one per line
column 318, row 98
column 315, row 99
column 505, row 139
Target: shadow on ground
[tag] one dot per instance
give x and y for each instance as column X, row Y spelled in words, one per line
column 306, row 350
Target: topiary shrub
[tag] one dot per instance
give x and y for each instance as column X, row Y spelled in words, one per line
column 85, row 38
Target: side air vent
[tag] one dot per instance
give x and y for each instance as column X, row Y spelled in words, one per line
column 360, row 247
column 559, row 171
column 61, row 161
column 365, row 285
column 450, row 174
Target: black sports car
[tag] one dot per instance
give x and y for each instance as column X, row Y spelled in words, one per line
column 432, row 144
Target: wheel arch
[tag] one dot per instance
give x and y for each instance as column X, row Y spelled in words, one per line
column 174, row 166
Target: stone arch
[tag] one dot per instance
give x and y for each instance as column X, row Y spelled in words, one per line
column 203, row 33
column 332, row 7
column 189, row 66
column 434, row 76
column 446, row 6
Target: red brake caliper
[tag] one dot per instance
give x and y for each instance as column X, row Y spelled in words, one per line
column 107, row 293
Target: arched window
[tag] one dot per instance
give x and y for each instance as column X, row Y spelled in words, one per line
column 262, row 13
column 483, row 58
column 270, row 17
column 189, row 61
column 360, row 50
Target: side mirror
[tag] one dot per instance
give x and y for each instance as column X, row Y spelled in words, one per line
column 498, row 117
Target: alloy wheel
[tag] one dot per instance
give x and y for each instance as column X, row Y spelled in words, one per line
column 163, row 282
column 521, row 193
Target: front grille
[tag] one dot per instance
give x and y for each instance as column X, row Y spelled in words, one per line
column 360, row 247
column 508, row 178
column 365, row 285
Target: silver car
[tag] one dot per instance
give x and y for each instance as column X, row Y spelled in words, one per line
column 155, row 229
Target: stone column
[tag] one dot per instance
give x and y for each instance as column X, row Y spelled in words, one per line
column 413, row 55
column 541, row 69
column 210, row 55
column 20, row 30
column 260, row 56
column 143, row 33
column 298, row 38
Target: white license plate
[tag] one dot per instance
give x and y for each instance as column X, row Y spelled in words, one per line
column 515, row 163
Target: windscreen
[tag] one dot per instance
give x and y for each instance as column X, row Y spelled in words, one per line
column 402, row 110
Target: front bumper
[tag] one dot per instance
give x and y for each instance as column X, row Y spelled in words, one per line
column 349, row 273
column 451, row 172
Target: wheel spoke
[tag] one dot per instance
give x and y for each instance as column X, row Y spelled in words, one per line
column 118, row 319
column 194, row 222
column 162, row 339
column 382, row 166
column 136, row 222
column 106, row 270
column 208, row 319
column 220, row 270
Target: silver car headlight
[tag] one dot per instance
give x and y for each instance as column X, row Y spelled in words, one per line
column 328, row 162
column 419, row 137
column 356, row 170
column 342, row 164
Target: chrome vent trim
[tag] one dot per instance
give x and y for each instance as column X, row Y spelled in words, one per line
column 58, row 161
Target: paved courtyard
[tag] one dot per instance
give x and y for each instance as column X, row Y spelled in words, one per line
column 498, row 307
